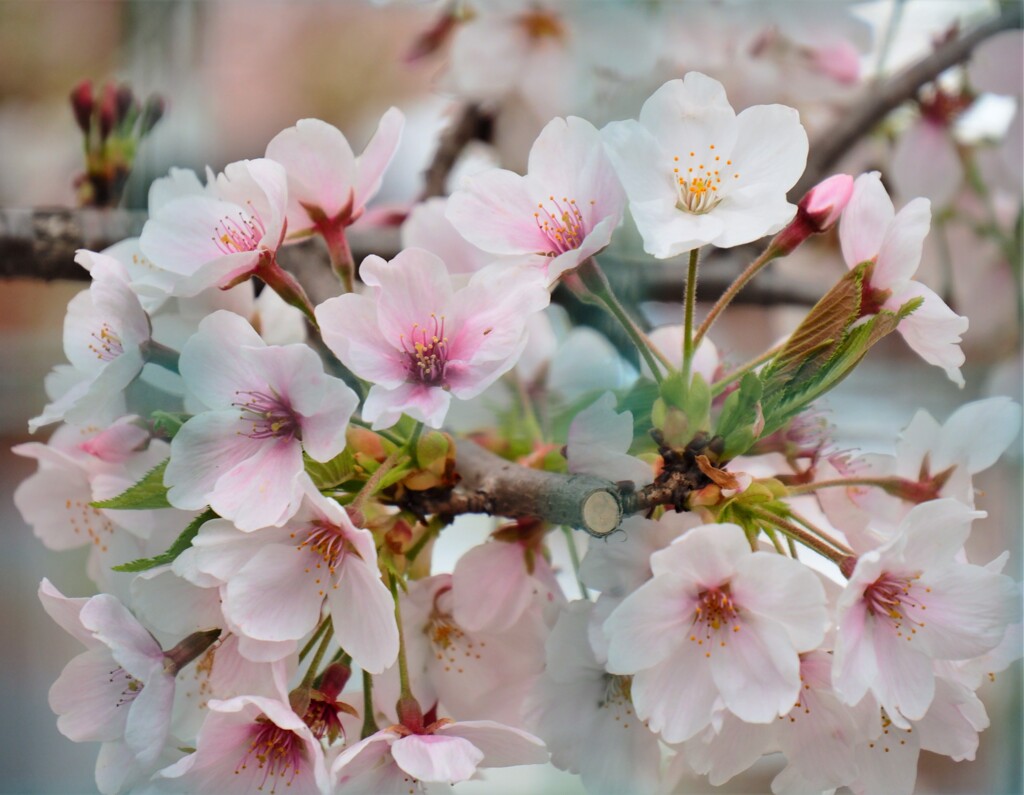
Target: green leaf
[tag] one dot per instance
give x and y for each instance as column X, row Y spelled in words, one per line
column 328, row 474
column 739, row 418
column 167, row 423
column 181, row 543
column 147, row 494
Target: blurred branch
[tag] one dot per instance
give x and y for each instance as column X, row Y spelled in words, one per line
column 471, row 124
column 885, row 97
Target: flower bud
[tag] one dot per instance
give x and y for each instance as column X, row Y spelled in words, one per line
column 82, row 104
column 817, row 212
column 152, row 112
column 108, row 110
column 123, row 101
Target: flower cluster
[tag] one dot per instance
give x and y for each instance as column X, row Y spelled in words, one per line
column 274, row 529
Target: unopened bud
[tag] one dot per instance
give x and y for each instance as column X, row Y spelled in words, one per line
column 847, row 565
column 108, row 110
column 152, row 112
column 82, row 105
column 123, row 101
column 410, row 714
column 817, row 212
column 334, row 679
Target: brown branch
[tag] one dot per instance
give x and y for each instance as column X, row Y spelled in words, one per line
column 881, row 99
column 471, row 124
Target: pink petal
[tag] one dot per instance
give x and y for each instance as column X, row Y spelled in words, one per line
column 785, row 592
column 65, row 612
column 648, row 627
column 132, row 646
column 502, row 746
column 900, row 252
column 378, row 154
column 85, row 698
column 495, row 211
column 350, row 329
column 491, row 587
column 415, row 283
column 933, row 331
column 363, row 613
column 437, row 758
column 865, row 220
column 677, row 696
column 264, row 490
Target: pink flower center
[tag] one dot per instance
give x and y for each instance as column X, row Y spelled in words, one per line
column 131, row 687
column 893, row 598
column 426, row 350
column 562, row 224
column 328, row 541
column 269, row 415
column 232, row 236
column 715, row 609
column 107, row 344
column 278, row 752
column 698, row 180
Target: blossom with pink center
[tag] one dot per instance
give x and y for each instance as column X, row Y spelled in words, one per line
column 934, row 461
column 327, row 183
column 396, row 761
column 563, row 211
column 872, row 231
column 585, row 714
column 420, row 341
column 480, row 675
column 278, row 580
column 106, row 332
column 911, row 602
column 223, row 236
column 119, row 691
column 267, row 405
column 697, row 173
column 716, row 622
column 252, row 744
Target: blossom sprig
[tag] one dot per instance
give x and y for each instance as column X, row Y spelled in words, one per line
column 279, row 519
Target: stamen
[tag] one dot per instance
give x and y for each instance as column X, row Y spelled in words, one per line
column 698, row 191
column 278, row 752
column 269, row 414
column 890, row 599
column 427, row 352
column 245, row 234
column 564, row 228
column 715, row 610
column 132, row 686
column 108, row 344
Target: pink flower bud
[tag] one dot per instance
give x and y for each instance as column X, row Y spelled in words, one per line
column 108, row 110
column 825, row 201
column 82, row 104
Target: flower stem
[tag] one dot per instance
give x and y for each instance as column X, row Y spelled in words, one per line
column 800, row 535
column 719, row 386
column 731, row 291
column 314, row 640
column 593, row 279
column 403, row 666
column 689, row 303
column 886, row 484
column 820, row 533
column 574, row 556
column 374, row 481
column 529, row 415
column 286, row 286
column 161, row 355
column 314, row 665
column 369, row 723
column 413, row 443
column 342, row 262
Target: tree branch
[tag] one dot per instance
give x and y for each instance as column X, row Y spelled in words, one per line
column 471, row 124
column 880, row 100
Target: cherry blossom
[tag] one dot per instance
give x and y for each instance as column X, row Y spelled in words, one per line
column 277, row 581
column 252, row 743
column 716, row 621
column 910, row 602
column 599, row 440
column 396, row 761
column 267, row 405
column 697, row 173
column 563, row 211
column 119, row 691
column 586, row 717
column 327, row 183
column 427, row 227
column 106, row 333
column 420, row 341
column 872, row 231
column 223, row 236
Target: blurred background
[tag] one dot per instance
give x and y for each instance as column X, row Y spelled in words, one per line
column 233, row 74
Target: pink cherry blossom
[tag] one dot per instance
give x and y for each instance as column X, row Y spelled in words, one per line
column 427, row 227
column 327, row 183
column 586, row 717
column 278, row 581
column 696, row 172
column 472, row 675
column 248, row 744
column 119, row 691
column 599, row 440
column 872, row 231
column 716, row 621
column 106, row 333
column 225, row 235
column 267, row 405
column 420, row 341
column 910, row 602
column 395, row 760
column 563, row 211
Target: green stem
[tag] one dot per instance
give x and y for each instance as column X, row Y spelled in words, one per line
column 574, row 556
column 800, row 535
column 592, row 278
column 369, row 722
column 314, row 665
column 732, row 290
column 413, row 443
column 161, row 355
column 529, row 415
column 820, row 533
column 689, row 304
column 886, row 484
column 719, row 386
column 403, row 666
column 370, row 487
column 315, row 639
